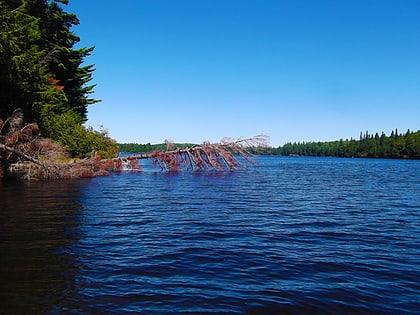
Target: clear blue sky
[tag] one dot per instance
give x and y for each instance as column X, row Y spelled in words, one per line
column 296, row 70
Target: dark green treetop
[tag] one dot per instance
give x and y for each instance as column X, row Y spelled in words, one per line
column 43, row 74
column 40, row 68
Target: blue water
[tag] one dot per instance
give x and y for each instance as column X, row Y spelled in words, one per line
column 289, row 236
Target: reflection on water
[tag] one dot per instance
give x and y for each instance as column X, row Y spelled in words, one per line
column 289, row 236
column 39, row 225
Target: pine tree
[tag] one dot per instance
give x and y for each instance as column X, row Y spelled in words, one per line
column 18, row 70
column 64, row 62
column 41, row 72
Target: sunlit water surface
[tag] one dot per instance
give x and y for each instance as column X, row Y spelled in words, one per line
column 288, row 236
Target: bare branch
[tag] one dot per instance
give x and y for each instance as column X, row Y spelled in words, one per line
column 20, row 154
column 23, row 153
column 226, row 155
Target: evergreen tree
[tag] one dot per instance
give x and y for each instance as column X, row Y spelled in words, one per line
column 65, row 62
column 40, row 69
column 41, row 73
column 395, row 146
column 22, row 74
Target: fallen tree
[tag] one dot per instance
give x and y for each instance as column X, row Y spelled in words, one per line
column 228, row 154
column 25, row 155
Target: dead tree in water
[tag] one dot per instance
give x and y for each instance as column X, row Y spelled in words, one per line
column 229, row 154
column 23, row 154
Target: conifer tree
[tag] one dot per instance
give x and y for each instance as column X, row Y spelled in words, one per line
column 21, row 69
column 41, row 72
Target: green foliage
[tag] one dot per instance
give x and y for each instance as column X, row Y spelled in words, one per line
column 397, row 146
column 102, row 142
column 144, row 148
column 36, row 52
column 79, row 141
column 62, row 60
column 21, row 72
column 405, row 146
column 41, row 73
column 135, row 147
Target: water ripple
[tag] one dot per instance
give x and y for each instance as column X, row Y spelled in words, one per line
column 289, row 236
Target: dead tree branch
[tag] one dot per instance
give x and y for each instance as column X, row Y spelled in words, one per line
column 227, row 155
column 20, row 154
column 23, row 153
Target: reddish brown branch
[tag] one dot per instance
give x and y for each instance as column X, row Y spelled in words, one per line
column 21, row 152
column 227, row 155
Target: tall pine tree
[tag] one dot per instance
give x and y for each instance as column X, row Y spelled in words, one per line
column 43, row 74
column 65, row 62
column 41, row 71
column 21, row 70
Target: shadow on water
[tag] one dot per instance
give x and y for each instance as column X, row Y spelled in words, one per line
column 38, row 226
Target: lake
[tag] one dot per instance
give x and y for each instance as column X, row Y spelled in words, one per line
column 291, row 235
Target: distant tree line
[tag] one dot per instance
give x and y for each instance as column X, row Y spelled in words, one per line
column 398, row 146
column 145, row 148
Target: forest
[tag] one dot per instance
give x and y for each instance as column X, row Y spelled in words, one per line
column 143, row 148
column 43, row 75
column 396, row 146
